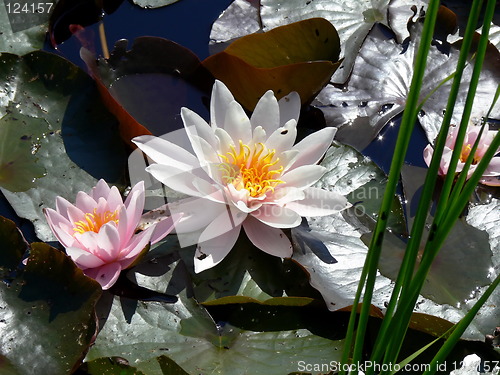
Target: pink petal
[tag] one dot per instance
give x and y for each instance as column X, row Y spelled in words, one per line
column 60, row 226
column 277, row 216
column 165, row 152
column 83, row 258
column 237, row 124
column 106, row 275
column 108, row 241
column 303, row 176
column 493, row 168
column 114, row 199
column 101, row 190
column 85, row 202
column 62, row 206
column 319, row 202
column 270, row 240
column 313, row 147
column 212, row 252
column 221, row 97
column 289, row 108
column 75, row 214
column 136, row 245
column 428, row 152
column 164, row 227
column 266, row 113
column 134, row 206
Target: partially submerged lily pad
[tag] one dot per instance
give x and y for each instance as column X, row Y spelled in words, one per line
column 299, row 57
column 58, row 107
column 18, row 164
column 380, row 82
column 48, row 305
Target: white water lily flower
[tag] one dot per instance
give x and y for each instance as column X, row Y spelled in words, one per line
column 246, row 172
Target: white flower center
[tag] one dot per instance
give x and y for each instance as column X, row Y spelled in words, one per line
column 254, row 169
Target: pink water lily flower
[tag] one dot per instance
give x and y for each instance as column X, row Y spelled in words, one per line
column 99, row 230
column 245, row 172
column 492, row 172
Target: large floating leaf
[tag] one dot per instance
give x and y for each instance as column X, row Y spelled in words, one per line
column 18, row 164
column 380, row 81
column 46, row 313
column 298, row 57
column 239, row 19
column 146, row 86
column 71, row 135
column 23, row 32
column 352, row 19
column 140, row 332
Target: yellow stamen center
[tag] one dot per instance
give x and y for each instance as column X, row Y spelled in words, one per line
column 94, row 221
column 466, row 152
column 252, row 169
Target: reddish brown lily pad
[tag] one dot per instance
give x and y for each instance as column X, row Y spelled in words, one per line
column 299, row 57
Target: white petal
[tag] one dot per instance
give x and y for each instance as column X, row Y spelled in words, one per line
column 289, row 108
column 237, row 124
column 84, row 259
column 271, row 240
column 225, row 222
column 196, row 125
column 259, row 135
column 266, row 113
column 174, row 178
column 313, row 147
column 287, row 194
column 277, row 216
column 221, row 97
column 165, row 152
column 282, row 139
column 196, row 213
column 303, row 176
column 225, row 140
column 319, row 202
column 212, row 252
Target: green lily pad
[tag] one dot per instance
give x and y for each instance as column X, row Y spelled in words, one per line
column 23, row 32
column 109, row 366
column 18, row 164
column 47, row 313
column 298, row 57
column 73, row 137
column 185, row 332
